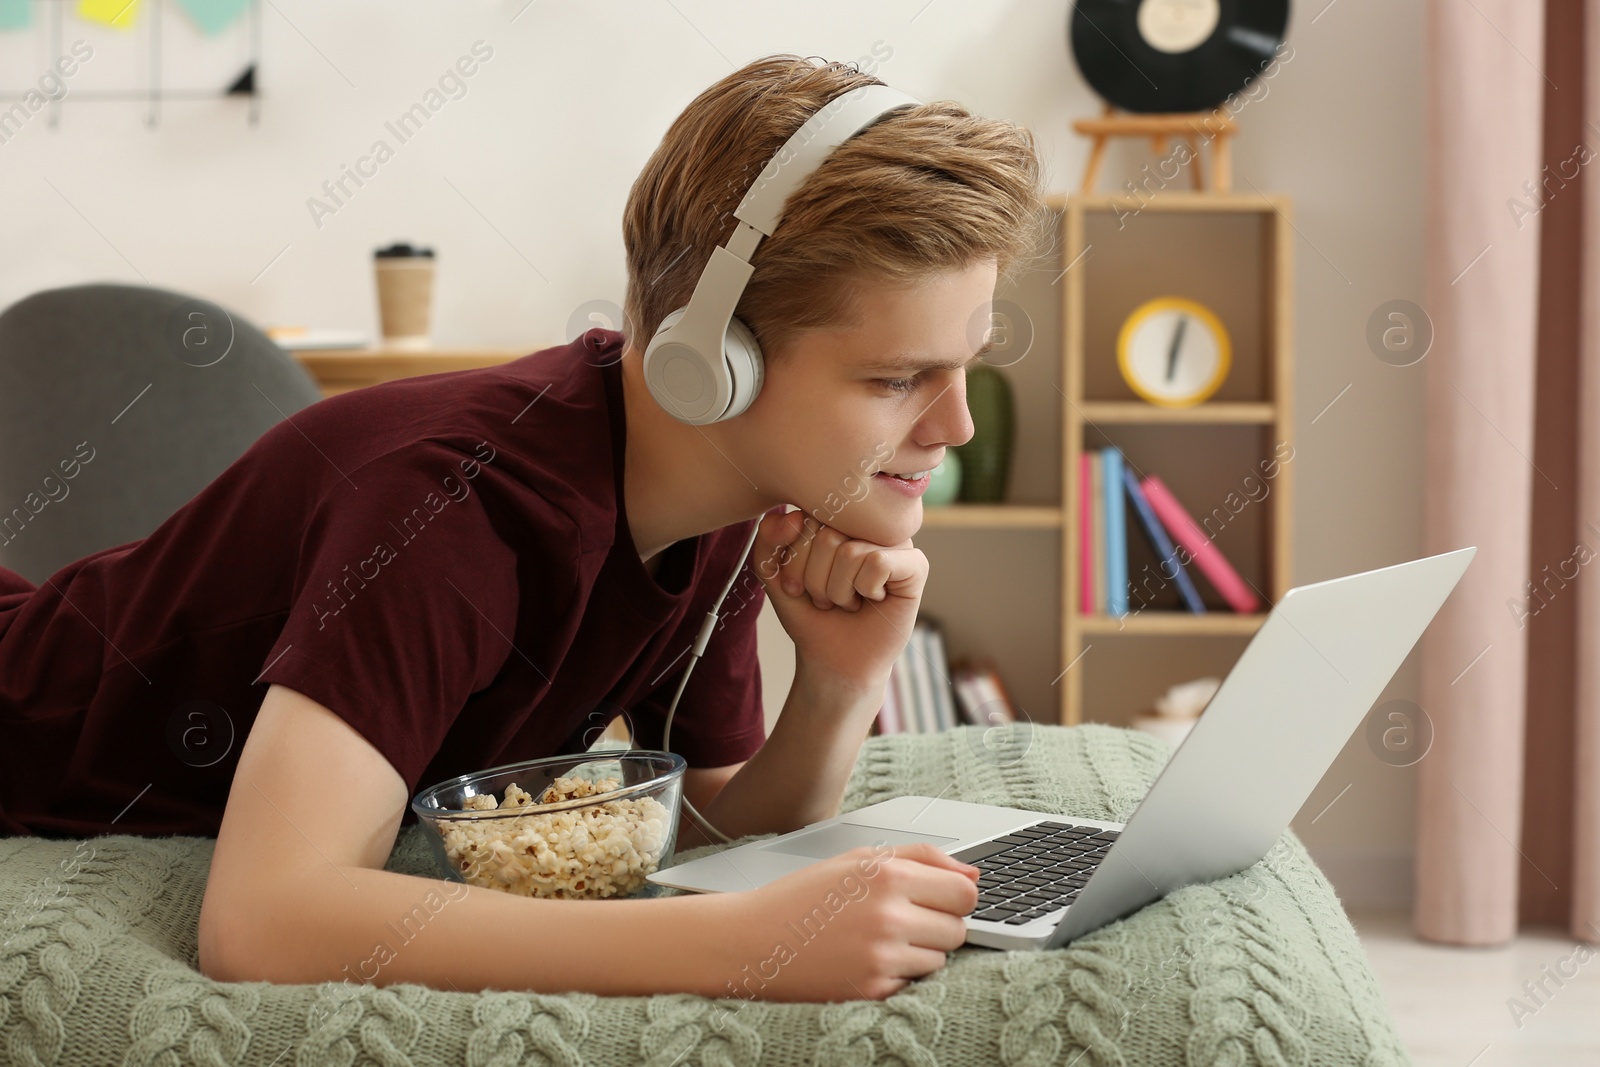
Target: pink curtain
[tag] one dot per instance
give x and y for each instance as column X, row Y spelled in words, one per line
column 1508, row 804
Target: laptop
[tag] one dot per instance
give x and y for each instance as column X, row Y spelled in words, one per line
column 1303, row 685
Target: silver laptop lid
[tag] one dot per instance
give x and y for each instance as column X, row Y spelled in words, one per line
column 1304, row 683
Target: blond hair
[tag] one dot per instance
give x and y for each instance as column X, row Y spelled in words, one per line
column 922, row 191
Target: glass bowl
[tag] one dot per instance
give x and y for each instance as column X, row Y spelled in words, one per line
column 571, row 847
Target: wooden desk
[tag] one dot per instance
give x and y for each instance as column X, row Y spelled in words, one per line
column 338, row 370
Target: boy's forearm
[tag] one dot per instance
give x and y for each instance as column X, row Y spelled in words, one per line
column 373, row 926
column 798, row 776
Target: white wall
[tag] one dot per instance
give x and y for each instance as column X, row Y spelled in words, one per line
column 520, row 182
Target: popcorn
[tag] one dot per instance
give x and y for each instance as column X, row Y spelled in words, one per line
column 586, row 853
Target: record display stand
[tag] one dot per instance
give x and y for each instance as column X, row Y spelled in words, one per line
column 1215, row 127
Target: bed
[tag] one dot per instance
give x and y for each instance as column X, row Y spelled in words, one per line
column 98, row 951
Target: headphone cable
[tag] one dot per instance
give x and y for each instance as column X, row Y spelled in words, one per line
column 700, row 642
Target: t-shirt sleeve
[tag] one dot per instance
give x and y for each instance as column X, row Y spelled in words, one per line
column 719, row 720
column 404, row 601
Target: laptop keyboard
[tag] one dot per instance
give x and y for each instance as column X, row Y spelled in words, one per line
column 1034, row 871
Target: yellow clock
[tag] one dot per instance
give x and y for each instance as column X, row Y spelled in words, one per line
column 1173, row 352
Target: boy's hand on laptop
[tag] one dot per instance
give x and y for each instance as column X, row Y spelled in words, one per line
column 849, row 605
column 900, row 914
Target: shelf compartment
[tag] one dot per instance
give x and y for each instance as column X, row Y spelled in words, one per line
column 998, row 595
column 1125, row 677
column 1219, row 257
column 1220, row 474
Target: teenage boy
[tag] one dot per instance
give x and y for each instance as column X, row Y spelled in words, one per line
column 447, row 573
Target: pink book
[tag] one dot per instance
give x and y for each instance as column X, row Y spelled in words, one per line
column 1085, row 537
column 1193, row 540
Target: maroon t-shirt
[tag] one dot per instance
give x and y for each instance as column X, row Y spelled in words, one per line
column 443, row 561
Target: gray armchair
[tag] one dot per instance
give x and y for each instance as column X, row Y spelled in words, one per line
column 159, row 391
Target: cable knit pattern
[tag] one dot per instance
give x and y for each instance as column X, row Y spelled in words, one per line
column 532, row 1029
column 98, row 950
column 903, row 1029
column 1246, row 1000
column 378, row 1025
column 1068, row 1001
column 186, row 1018
column 690, row 1029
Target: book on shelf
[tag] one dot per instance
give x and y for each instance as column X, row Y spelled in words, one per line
column 916, row 656
column 981, row 695
column 1108, row 487
column 900, row 679
column 926, row 694
column 1086, row 536
column 1116, row 534
column 1097, row 506
column 908, row 698
column 938, row 663
column 1188, row 534
column 1171, row 566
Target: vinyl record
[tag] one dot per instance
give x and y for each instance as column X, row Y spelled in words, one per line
column 1174, row 55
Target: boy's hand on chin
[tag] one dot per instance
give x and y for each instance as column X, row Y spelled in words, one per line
column 856, row 601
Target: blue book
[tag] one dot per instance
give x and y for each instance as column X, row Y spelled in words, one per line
column 1159, row 541
column 1116, row 534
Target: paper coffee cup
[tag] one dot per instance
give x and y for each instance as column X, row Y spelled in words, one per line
column 405, row 294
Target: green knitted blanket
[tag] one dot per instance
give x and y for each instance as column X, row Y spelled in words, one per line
column 97, row 962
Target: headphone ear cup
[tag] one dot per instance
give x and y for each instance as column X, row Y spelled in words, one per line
column 745, row 365
column 680, row 377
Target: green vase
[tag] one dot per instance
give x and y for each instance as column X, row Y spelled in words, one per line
column 986, row 459
column 944, row 484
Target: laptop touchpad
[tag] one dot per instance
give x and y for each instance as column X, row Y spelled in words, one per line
column 828, row 841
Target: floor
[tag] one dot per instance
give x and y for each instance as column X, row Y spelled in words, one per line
column 1457, row 1007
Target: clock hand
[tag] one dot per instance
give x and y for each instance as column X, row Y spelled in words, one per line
column 1177, row 339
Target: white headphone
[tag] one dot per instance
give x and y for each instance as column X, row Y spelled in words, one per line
column 703, row 365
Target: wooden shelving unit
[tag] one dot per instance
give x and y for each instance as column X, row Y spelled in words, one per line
column 1246, row 276
column 1231, row 251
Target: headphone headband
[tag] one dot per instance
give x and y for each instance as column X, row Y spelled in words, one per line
column 834, row 123
column 704, row 365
